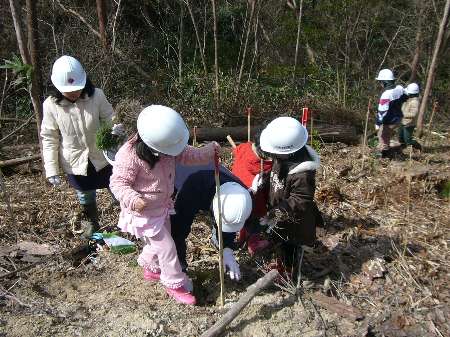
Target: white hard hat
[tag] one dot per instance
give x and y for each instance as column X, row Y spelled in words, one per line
column 68, row 74
column 385, row 75
column 284, row 135
column 412, row 88
column 163, row 129
column 235, row 204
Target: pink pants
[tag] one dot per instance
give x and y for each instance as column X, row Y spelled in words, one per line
column 160, row 255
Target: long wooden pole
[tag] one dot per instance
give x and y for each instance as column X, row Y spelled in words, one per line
column 219, row 229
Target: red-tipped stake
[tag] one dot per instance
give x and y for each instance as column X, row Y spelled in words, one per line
column 305, row 112
column 219, row 225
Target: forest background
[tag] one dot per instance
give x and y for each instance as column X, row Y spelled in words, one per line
column 273, row 56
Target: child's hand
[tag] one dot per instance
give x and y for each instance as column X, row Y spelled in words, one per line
column 139, row 205
column 216, row 147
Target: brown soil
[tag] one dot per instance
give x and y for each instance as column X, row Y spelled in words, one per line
column 384, row 252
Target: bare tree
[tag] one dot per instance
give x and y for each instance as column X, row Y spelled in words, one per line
column 102, row 22
column 36, row 81
column 431, row 71
column 180, row 43
column 216, row 63
column 194, row 23
column 32, row 24
column 249, row 27
column 419, row 37
column 297, row 44
column 23, row 47
column 116, row 50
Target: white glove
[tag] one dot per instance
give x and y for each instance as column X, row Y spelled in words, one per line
column 118, row 130
column 256, row 184
column 231, row 265
column 377, row 127
column 267, row 222
column 54, row 180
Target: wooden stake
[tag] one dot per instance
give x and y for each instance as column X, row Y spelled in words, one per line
column 262, row 283
column 219, row 225
column 231, row 141
column 435, row 105
column 409, row 182
column 311, row 131
column 248, row 124
column 194, row 137
column 365, row 135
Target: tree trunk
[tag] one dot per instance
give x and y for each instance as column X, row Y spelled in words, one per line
column 102, row 22
column 33, row 40
column 327, row 133
column 23, row 48
column 419, row 37
column 36, row 84
column 431, row 71
column 216, row 63
column 297, row 44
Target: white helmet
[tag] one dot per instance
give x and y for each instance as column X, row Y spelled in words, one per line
column 236, row 206
column 163, row 129
column 68, row 74
column 385, row 75
column 284, row 135
column 412, row 88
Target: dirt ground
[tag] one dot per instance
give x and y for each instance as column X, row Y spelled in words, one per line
column 384, row 255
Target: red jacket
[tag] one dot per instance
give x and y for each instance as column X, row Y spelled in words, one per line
column 246, row 166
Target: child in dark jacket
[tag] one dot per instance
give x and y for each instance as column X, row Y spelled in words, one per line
column 292, row 212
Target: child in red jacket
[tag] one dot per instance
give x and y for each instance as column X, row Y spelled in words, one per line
column 248, row 163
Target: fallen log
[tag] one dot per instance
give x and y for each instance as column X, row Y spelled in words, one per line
column 251, row 292
column 327, row 133
column 332, row 304
column 17, row 161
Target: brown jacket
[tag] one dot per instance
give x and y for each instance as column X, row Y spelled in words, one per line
column 410, row 110
column 291, row 197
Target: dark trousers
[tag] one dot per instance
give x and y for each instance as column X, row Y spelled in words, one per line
column 405, row 136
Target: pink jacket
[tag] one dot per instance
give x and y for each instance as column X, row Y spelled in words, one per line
column 132, row 178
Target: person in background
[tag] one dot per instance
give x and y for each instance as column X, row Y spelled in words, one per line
column 143, row 181
column 71, row 117
column 389, row 113
column 410, row 109
column 292, row 212
column 197, row 192
column 249, row 162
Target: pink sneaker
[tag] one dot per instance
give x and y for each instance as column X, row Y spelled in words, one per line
column 256, row 243
column 181, row 295
column 151, row 276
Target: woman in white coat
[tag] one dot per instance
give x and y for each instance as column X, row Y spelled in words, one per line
column 71, row 117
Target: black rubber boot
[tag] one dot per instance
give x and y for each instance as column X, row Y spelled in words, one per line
column 90, row 225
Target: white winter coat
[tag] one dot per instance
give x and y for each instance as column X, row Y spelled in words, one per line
column 68, row 133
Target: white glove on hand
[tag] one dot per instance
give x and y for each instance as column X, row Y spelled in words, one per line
column 267, row 222
column 54, row 180
column 231, row 265
column 377, row 127
column 256, row 184
column 118, row 130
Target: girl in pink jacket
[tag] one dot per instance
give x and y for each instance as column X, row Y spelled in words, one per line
column 143, row 182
